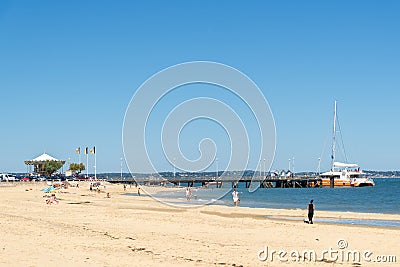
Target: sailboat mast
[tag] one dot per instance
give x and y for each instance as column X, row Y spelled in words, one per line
column 334, row 136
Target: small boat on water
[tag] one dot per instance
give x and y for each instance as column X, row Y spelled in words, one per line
column 343, row 174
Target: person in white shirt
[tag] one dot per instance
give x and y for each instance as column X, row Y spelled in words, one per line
column 188, row 193
column 235, row 196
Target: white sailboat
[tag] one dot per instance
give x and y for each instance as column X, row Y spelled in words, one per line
column 343, row 174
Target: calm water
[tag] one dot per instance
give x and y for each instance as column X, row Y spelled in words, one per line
column 384, row 197
column 387, row 223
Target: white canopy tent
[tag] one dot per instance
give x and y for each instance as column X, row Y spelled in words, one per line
column 44, row 157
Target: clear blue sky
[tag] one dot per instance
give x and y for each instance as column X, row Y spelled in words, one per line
column 69, row 68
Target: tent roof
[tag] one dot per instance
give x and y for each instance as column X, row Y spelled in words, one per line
column 44, row 157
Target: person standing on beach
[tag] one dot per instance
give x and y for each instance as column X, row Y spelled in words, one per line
column 138, row 190
column 235, row 197
column 311, row 208
column 188, row 193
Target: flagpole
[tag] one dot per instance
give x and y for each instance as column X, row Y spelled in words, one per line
column 95, row 165
column 78, row 151
column 121, row 169
column 87, row 165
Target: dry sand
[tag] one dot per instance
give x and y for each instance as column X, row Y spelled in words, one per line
column 88, row 229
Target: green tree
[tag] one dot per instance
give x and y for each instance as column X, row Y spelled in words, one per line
column 51, row 166
column 77, row 167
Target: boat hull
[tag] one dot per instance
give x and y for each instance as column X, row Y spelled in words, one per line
column 363, row 185
column 326, row 182
column 337, row 183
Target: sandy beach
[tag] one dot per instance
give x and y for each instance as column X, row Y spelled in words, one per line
column 87, row 229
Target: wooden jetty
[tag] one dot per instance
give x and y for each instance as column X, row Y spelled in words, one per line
column 263, row 182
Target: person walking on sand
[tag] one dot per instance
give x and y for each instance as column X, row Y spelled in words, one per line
column 311, row 209
column 235, row 197
column 138, row 190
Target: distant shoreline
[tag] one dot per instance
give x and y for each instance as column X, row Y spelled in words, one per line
column 167, row 175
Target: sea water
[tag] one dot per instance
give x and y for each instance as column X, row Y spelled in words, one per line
column 384, row 197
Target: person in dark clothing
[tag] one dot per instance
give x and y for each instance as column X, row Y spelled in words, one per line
column 311, row 208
